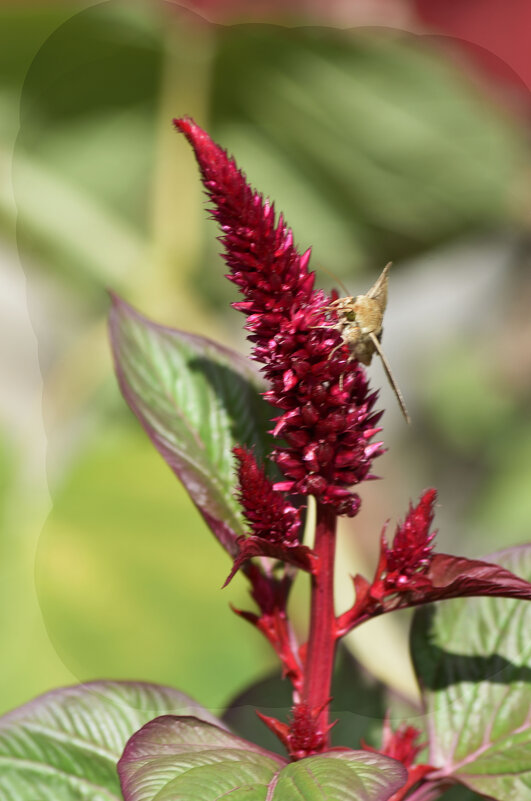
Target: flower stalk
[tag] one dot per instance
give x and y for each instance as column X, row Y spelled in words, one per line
column 319, row 662
column 324, row 423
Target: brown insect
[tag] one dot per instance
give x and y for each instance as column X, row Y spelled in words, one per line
column 360, row 321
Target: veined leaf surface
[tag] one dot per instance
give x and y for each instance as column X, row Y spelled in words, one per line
column 196, row 401
column 473, row 660
column 64, row 745
column 186, row 759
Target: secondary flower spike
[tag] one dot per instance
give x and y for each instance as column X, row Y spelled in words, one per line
column 405, row 561
column 410, row 573
column 326, row 409
column 267, row 511
column 274, row 522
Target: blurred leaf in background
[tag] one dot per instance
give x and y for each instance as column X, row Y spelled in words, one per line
column 378, row 145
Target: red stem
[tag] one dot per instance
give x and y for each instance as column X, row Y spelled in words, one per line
column 319, row 662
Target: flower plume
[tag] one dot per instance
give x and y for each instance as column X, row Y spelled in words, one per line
column 326, row 416
column 410, row 554
column 267, row 511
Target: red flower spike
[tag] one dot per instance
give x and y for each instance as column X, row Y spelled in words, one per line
column 410, row 574
column 310, row 377
column 304, row 737
column 402, row 566
column 401, row 744
column 274, row 521
column 411, row 551
column 266, row 510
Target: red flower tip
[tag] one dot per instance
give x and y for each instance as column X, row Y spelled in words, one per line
column 325, row 404
column 182, row 124
column 281, row 730
column 402, row 743
column 266, row 510
column 411, row 552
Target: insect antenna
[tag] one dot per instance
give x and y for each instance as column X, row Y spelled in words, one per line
column 389, row 374
column 339, row 281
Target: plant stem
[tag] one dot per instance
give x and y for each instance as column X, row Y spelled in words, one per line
column 319, row 663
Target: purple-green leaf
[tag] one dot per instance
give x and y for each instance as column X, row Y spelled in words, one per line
column 182, row 757
column 64, row 745
column 342, row 775
column 300, row 556
column 196, row 400
column 473, row 661
column 187, row 759
column 456, row 577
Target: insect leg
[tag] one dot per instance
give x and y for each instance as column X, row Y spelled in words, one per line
column 390, row 377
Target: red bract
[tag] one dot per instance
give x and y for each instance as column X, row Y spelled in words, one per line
column 271, row 595
column 327, row 418
column 300, row 556
column 402, row 745
column 303, row 735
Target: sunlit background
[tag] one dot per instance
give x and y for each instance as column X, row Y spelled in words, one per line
column 394, row 132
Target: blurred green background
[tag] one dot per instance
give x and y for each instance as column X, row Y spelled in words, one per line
column 378, row 145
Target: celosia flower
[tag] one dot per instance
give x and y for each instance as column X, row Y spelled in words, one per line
column 327, row 418
column 403, row 564
column 400, row 744
column 411, row 550
column 267, row 511
column 409, row 573
column 326, row 424
column 274, row 522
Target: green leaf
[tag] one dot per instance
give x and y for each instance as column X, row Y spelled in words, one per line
column 196, row 401
column 69, row 172
column 64, row 745
column 183, row 758
column 341, row 776
column 473, row 661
